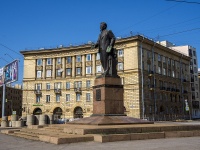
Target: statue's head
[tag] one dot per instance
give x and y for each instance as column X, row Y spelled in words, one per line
column 103, row 26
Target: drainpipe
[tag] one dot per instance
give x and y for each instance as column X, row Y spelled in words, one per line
column 181, row 88
column 142, row 78
column 153, row 79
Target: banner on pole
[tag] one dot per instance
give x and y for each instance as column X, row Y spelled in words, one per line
column 11, row 72
column 1, row 77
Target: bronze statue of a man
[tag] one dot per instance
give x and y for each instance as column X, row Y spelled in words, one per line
column 105, row 44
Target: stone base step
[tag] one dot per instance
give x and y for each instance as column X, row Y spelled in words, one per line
column 65, row 139
column 144, row 136
column 25, row 136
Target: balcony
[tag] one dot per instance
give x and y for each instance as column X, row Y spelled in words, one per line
column 38, row 92
column 57, row 91
column 77, row 90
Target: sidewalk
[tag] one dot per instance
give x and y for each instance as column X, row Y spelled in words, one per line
column 15, row 143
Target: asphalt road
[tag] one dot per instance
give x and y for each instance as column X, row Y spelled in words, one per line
column 14, row 143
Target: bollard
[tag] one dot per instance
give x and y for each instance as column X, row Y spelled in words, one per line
column 4, row 121
column 42, row 119
column 13, row 123
column 30, row 120
column 19, row 123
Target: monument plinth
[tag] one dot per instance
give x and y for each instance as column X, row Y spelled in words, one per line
column 108, row 97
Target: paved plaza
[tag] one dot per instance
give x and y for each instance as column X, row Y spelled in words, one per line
column 14, row 143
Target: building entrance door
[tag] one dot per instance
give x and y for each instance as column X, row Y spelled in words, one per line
column 78, row 112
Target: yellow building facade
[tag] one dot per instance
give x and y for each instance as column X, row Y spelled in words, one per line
column 59, row 81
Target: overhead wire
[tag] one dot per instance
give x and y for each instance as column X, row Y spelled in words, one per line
column 148, row 18
column 184, row 1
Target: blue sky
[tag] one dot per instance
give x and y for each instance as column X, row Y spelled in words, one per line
column 33, row 24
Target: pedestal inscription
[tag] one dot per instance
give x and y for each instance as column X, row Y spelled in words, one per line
column 98, row 94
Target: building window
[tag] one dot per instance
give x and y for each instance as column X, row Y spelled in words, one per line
column 173, row 63
column 120, row 66
column 169, row 61
column 48, row 87
column 68, row 72
column 39, row 62
column 190, row 52
column 120, row 53
column 47, row 98
column 195, row 62
column 88, row 70
column 58, row 60
column 149, row 67
column 88, row 57
column 173, row 74
column 154, row 69
column 98, row 69
column 159, row 69
column 39, row 73
column 37, row 98
column 195, row 69
column 78, row 58
column 97, row 56
column 169, row 73
column 57, row 85
column 58, row 72
column 68, row 85
column 49, row 61
column 67, row 97
column 69, row 59
column 58, row 98
column 48, row 73
column 164, row 59
column 148, row 54
column 88, row 84
column 159, row 57
column 195, row 78
column 38, row 86
column 78, row 71
column 77, row 84
column 78, row 97
column 87, row 97
column 164, row 71
column 194, row 53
